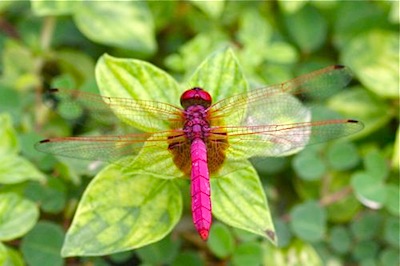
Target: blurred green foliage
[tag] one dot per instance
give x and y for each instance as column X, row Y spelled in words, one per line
column 335, row 203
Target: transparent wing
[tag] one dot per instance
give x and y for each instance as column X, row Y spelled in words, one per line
column 105, row 148
column 146, row 115
column 274, row 121
column 271, row 101
column 285, row 139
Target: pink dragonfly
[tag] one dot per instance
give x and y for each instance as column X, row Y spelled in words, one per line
column 202, row 136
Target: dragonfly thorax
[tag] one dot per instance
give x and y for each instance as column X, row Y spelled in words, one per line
column 196, row 125
column 195, row 96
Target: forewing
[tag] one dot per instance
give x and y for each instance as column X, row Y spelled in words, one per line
column 285, row 139
column 104, row 148
column 271, row 101
column 148, row 116
column 275, row 121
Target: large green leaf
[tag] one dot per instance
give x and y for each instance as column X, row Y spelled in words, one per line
column 125, row 24
column 122, row 210
column 220, row 74
column 137, row 80
column 238, row 200
column 17, row 216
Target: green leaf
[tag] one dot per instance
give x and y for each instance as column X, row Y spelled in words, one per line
column 308, row 221
column 53, row 198
column 212, row 8
column 367, row 226
column 365, row 250
column 15, row 169
column 221, row 241
column 161, row 252
column 42, row 245
column 376, row 165
column 10, row 102
column 53, row 7
column 374, row 58
column 369, row 190
column 391, row 231
column 220, row 74
column 8, row 137
column 389, row 257
column 17, row 216
column 193, row 52
column 139, row 80
column 121, row 210
column 78, row 65
column 396, row 152
column 18, row 67
column 254, row 34
column 10, row 257
column 298, row 253
column 185, row 258
column 344, row 210
column 283, row 232
column 247, row 254
column 340, row 239
column 309, row 165
column 392, row 202
column 121, row 257
column 281, row 53
column 343, row 155
column 357, row 18
column 244, row 236
column 307, row 27
column 238, row 200
column 126, row 25
column 291, row 7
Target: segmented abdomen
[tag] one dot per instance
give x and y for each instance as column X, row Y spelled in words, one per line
column 200, row 188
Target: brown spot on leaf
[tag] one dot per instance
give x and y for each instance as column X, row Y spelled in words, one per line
column 270, row 234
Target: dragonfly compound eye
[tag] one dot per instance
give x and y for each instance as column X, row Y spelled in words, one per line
column 196, row 96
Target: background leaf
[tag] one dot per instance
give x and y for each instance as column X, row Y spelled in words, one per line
column 42, row 245
column 18, row 216
column 127, row 25
column 308, row 221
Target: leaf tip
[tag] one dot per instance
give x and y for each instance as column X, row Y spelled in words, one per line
column 270, row 234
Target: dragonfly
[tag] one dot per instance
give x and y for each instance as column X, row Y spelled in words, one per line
column 202, row 136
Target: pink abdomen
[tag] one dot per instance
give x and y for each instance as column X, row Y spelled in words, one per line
column 200, row 188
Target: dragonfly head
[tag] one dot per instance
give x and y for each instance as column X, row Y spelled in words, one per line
column 195, row 96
